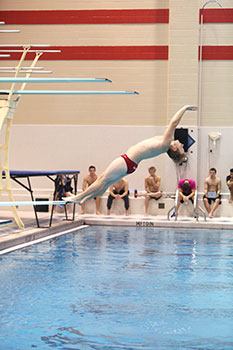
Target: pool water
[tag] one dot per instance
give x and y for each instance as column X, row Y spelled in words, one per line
column 120, row 288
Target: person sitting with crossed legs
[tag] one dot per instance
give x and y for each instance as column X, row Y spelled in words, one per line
column 152, row 184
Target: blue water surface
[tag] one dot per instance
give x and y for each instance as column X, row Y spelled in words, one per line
column 120, row 288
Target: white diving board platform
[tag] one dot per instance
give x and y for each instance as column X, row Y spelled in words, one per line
column 34, row 203
column 68, row 92
column 9, row 31
column 54, row 80
column 5, row 222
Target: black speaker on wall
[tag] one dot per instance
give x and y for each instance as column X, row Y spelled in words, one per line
column 181, row 134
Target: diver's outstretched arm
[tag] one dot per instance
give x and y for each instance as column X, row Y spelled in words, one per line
column 169, row 133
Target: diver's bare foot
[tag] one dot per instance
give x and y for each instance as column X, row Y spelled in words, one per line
column 231, row 200
column 69, row 199
column 210, row 215
column 82, row 212
column 98, row 213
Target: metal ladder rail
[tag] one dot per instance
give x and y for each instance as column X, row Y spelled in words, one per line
column 174, row 207
column 196, row 206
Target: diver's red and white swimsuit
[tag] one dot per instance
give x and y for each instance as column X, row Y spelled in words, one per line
column 131, row 166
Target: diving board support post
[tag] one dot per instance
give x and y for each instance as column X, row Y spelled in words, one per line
column 28, row 74
column 197, row 209
column 6, row 115
column 25, row 51
column 7, row 109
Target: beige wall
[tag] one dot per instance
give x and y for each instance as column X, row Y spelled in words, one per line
column 217, row 76
column 147, row 77
column 147, row 108
column 163, row 85
column 183, row 57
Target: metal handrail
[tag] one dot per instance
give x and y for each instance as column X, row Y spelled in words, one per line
column 174, row 207
column 196, row 208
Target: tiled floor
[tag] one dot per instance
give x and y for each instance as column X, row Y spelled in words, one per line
column 11, row 235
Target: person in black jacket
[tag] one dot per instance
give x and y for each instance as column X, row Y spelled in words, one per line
column 63, row 188
column 229, row 180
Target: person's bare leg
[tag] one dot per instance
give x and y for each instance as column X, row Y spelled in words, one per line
column 147, row 201
column 206, row 204
column 215, row 206
column 151, row 194
column 230, row 186
column 97, row 193
column 92, row 191
column 126, row 212
column 82, row 209
column 114, row 172
column 55, row 198
column 108, row 211
column 155, row 194
column 68, row 194
column 97, row 204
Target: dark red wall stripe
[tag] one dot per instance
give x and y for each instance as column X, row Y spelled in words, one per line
column 217, row 53
column 217, row 15
column 86, row 16
column 99, row 53
column 121, row 53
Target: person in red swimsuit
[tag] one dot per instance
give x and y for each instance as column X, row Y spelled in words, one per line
column 128, row 162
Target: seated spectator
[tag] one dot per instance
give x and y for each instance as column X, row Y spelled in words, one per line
column 212, row 192
column 152, row 184
column 88, row 181
column 186, row 188
column 229, row 180
column 119, row 190
column 63, row 188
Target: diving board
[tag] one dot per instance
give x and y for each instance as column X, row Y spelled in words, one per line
column 34, row 51
column 9, row 31
column 34, row 203
column 67, row 92
column 54, row 80
column 6, row 222
column 27, row 71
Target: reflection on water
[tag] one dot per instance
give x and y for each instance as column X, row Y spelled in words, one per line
column 120, row 288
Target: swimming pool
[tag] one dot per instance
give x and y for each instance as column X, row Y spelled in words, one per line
column 120, row 288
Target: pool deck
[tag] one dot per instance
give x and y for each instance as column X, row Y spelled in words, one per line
column 11, row 236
